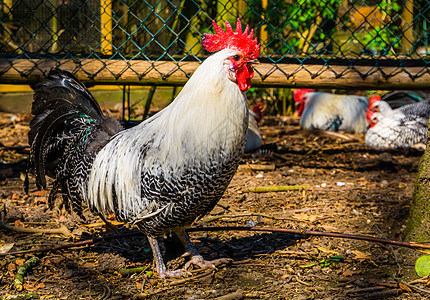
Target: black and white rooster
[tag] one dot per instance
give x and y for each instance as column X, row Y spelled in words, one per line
column 163, row 173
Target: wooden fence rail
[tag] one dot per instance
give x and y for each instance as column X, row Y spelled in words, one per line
column 139, row 72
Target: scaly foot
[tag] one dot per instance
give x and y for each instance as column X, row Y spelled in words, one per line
column 198, row 260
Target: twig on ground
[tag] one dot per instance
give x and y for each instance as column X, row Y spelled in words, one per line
column 279, row 188
column 300, row 281
column 114, row 223
column 420, row 280
column 28, row 296
column 62, row 230
column 76, row 244
column 204, row 274
column 365, row 290
column 413, row 287
column 256, row 167
column 178, row 282
column 303, row 233
column 312, row 233
column 232, row 296
column 127, row 272
column 383, row 294
column 240, row 215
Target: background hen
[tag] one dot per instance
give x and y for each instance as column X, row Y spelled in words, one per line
column 332, row 112
column 403, row 127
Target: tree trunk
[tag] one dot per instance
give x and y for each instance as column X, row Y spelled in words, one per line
column 418, row 224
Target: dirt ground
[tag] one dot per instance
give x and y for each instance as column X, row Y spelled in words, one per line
column 347, row 187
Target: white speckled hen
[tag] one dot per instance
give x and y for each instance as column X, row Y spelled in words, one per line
column 398, row 128
column 163, row 173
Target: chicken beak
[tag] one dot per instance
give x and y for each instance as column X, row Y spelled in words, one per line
column 254, row 61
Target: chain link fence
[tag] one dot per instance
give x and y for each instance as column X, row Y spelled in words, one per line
column 325, row 43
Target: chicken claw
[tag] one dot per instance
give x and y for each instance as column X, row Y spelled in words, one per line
column 198, row 260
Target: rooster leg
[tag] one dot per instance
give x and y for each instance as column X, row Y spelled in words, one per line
column 196, row 258
column 160, row 267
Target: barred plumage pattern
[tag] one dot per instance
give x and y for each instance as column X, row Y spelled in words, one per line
column 186, row 197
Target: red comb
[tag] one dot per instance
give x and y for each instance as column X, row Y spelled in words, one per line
column 236, row 40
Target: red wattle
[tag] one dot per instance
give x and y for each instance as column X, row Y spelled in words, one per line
column 243, row 77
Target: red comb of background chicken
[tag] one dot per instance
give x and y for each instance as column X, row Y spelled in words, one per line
column 258, row 111
column 370, row 112
column 236, row 40
column 299, row 98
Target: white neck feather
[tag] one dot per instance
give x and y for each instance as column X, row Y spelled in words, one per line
column 207, row 121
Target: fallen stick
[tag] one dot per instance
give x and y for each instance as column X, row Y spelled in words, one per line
column 312, row 233
column 255, row 167
column 239, row 294
column 73, row 245
column 62, row 230
column 415, row 246
column 240, row 215
column 127, row 272
column 28, row 296
column 279, row 188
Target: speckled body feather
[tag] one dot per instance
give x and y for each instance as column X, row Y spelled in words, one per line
column 403, row 127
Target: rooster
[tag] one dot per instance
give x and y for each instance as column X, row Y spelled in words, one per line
column 332, row 112
column 398, row 128
column 164, row 173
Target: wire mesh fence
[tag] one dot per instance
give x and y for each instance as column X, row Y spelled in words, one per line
column 303, row 42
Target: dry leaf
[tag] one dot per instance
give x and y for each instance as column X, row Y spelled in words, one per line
column 18, row 223
column 361, row 255
column 329, row 228
column 40, row 193
column 40, row 285
column 22, row 176
column 39, row 200
column 304, row 217
column 4, row 248
column 138, row 286
column 115, row 223
column 326, row 250
column 404, row 287
column 350, row 273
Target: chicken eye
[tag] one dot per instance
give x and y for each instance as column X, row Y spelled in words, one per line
column 236, row 57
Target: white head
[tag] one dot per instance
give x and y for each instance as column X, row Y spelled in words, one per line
column 375, row 118
column 381, row 107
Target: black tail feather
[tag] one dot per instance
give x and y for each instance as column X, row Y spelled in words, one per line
column 57, row 99
column 62, row 87
column 66, row 133
column 39, row 145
